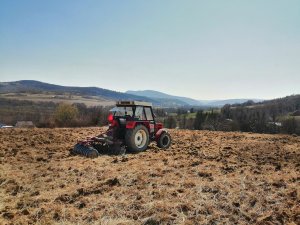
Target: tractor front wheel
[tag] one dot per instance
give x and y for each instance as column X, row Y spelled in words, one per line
column 164, row 141
column 137, row 139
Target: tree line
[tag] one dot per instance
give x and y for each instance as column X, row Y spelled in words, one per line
column 275, row 116
column 49, row 114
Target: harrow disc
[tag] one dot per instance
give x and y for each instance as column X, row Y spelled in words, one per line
column 87, row 151
column 115, row 149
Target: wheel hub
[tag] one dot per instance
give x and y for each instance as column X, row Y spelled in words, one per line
column 140, row 138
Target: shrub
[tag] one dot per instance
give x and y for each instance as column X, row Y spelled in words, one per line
column 289, row 125
column 65, row 114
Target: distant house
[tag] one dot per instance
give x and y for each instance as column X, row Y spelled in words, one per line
column 278, row 124
column 296, row 113
column 5, row 126
column 25, row 124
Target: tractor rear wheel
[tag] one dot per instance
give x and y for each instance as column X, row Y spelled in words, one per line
column 137, row 139
column 164, row 141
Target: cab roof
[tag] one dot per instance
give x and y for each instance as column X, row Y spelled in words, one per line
column 133, row 103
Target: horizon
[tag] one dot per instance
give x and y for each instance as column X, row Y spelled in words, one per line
column 197, row 49
column 238, row 98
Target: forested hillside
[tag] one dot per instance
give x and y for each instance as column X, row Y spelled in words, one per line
column 274, row 116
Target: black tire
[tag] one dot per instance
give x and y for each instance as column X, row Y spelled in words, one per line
column 89, row 152
column 164, row 141
column 117, row 149
column 132, row 139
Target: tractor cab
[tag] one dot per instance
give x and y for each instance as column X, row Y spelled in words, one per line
column 128, row 114
column 133, row 110
column 121, row 114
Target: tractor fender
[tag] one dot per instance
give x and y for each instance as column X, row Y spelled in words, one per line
column 130, row 124
column 133, row 124
column 160, row 132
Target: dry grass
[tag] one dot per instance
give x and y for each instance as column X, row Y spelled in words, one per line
column 70, row 99
column 205, row 178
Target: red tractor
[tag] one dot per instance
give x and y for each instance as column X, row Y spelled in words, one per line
column 132, row 127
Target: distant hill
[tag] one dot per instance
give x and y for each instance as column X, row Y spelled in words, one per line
column 161, row 95
column 220, row 103
column 31, row 86
column 156, row 97
column 287, row 104
column 189, row 101
column 37, row 87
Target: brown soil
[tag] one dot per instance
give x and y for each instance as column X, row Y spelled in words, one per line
column 204, row 178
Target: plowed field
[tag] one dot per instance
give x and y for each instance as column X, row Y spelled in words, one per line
column 204, row 178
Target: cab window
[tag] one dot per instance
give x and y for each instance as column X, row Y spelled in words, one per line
column 148, row 113
column 122, row 111
column 139, row 113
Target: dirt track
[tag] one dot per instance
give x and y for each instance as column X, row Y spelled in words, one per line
column 205, row 178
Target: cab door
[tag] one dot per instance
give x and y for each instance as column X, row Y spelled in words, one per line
column 149, row 116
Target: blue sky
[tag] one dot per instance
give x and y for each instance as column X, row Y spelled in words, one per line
column 200, row 49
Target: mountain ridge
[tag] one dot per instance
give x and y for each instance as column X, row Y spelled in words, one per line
column 160, row 95
column 38, row 86
column 190, row 101
column 157, row 98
